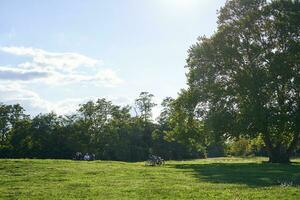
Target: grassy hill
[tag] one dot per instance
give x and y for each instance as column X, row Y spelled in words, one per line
column 221, row 178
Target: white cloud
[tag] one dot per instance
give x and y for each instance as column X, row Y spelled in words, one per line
column 66, row 106
column 8, row 73
column 15, row 93
column 34, row 104
column 105, row 77
column 57, row 68
column 54, row 69
column 61, row 61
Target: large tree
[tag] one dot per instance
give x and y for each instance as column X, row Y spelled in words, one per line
column 247, row 75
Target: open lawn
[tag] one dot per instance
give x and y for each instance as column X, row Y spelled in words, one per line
column 220, row 178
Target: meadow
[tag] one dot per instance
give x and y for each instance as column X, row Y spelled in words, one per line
column 218, row 178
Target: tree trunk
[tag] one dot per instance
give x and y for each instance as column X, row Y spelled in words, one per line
column 279, row 157
column 279, row 154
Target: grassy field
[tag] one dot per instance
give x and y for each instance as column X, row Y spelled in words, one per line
column 221, row 178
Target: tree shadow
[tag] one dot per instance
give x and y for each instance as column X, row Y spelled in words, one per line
column 250, row 174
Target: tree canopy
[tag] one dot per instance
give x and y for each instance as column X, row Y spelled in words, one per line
column 246, row 77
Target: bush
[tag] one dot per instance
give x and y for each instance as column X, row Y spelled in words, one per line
column 5, row 151
column 240, row 147
column 258, row 147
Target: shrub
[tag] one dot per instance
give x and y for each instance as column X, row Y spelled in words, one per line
column 240, row 147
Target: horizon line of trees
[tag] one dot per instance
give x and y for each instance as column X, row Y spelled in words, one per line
column 100, row 127
column 112, row 133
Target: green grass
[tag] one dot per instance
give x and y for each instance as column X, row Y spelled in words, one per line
column 221, row 178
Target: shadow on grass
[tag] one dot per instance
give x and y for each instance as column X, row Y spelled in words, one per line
column 250, row 174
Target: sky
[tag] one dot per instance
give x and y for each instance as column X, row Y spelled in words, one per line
column 55, row 55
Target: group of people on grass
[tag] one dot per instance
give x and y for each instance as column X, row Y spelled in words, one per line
column 86, row 156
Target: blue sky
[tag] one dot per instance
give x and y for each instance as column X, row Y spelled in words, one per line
column 57, row 54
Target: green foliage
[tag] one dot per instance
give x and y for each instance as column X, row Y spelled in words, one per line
column 246, row 147
column 180, row 125
column 258, row 146
column 9, row 116
column 222, row 178
column 240, row 147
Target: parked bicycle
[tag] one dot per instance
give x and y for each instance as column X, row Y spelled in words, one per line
column 155, row 161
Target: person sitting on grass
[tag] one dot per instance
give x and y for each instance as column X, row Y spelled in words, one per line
column 78, row 156
column 87, row 157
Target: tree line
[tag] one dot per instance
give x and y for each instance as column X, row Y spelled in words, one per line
column 242, row 98
column 100, row 127
column 111, row 132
